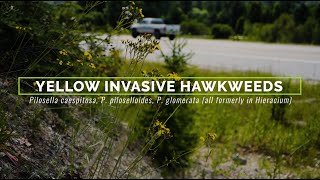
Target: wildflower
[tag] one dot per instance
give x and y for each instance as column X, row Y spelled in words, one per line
column 99, row 98
column 132, row 3
column 80, row 62
column 88, row 56
column 175, row 76
column 140, row 12
column 157, row 47
column 212, row 136
column 202, row 139
column 63, row 52
column 162, row 129
column 60, row 62
column 20, row 28
column 92, row 66
column 69, row 63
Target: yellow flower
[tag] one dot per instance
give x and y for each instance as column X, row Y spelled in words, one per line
column 212, row 136
column 88, row 55
column 92, row 66
column 157, row 47
column 140, row 12
column 132, row 2
column 162, row 129
column 175, row 76
column 202, row 139
column 79, row 61
column 34, row 83
column 63, row 52
column 156, row 123
column 99, row 98
column 60, row 62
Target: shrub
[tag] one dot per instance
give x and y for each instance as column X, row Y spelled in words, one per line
column 285, row 26
column 194, row 27
column 175, row 149
column 240, row 25
column 267, row 33
column 177, row 60
column 222, row 31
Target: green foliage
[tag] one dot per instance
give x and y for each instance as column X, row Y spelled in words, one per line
column 196, row 18
column 278, row 111
column 221, row 31
column 94, row 21
column 183, row 140
column 177, row 60
column 109, row 65
column 175, row 15
column 194, row 27
column 308, row 32
column 173, row 152
column 283, row 30
column 284, row 26
column 240, row 25
column 254, row 12
column 199, row 15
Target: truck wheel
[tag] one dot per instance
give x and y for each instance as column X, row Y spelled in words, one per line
column 171, row 37
column 157, row 34
column 134, row 33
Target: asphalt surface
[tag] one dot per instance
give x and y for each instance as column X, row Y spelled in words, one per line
column 279, row 59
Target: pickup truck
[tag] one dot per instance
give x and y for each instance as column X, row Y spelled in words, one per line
column 155, row 26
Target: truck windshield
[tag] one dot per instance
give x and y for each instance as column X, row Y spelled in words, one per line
column 157, row 21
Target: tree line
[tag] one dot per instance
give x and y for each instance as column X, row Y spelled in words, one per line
column 271, row 21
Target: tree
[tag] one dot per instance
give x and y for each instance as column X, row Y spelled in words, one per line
column 200, row 15
column 175, row 15
column 113, row 10
column 240, row 25
column 285, row 25
column 301, row 13
column 237, row 9
column 254, row 12
column 223, row 31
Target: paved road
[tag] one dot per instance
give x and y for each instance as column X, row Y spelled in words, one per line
column 279, row 59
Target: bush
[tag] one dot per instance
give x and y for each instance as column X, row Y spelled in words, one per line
column 307, row 32
column 177, row 60
column 222, row 31
column 268, row 33
column 240, row 25
column 285, row 26
column 194, row 27
column 282, row 30
column 174, row 150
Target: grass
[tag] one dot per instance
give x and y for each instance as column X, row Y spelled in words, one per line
column 94, row 129
column 292, row 144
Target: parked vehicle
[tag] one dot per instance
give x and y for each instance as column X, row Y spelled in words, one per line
column 155, row 26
